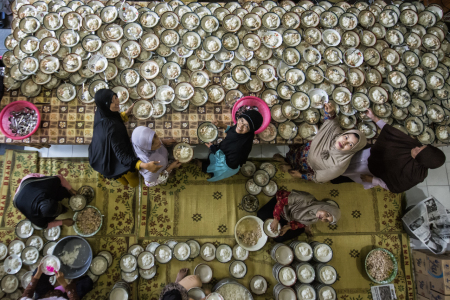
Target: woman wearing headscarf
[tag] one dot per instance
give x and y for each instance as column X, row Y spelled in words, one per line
column 110, row 152
column 149, row 147
column 40, row 287
column 396, row 162
column 295, row 211
column 327, row 156
column 178, row 290
column 227, row 157
column 39, row 198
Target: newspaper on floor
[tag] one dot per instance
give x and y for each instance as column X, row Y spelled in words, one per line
column 383, row 292
column 429, row 222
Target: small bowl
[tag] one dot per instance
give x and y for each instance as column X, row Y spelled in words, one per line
column 179, row 148
column 19, row 226
column 347, row 122
column 130, row 258
column 232, row 266
column 52, row 234
column 12, row 249
column 207, row 128
column 202, row 252
column 261, row 290
column 252, row 188
column 99, row 265
column 209, row 24
column 219, row 256
column 204, row 272
column 353, row 58
column 394, row 271
column 25, row 260
column 318, row 98
column 268, row 232
column 360, row 101
column 9, row 278
column 271, row 188
column 368, row 128
column 45, row 262
column 35, row 241
column 250, row 203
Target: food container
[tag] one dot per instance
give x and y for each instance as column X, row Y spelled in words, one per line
column 148, row 274
column 50, row 261
column 78, row 230
column 258, row 285
column 392, row 276
column 261, row 178
column 99, row 265
column 183, row 152
column 321, row 252
column 305, row 271
column 48, row 248
column 252, row 188
column 204, row 272
column 30, row 255
column 52, row 234
column 269, row 168
column 268, row 231
column 240, row 253
column 248, row 169
column 152, row 247
column 238, row 269
column 305, row 291
column 145, row 260
column 163, row 254
column 281, row 292
column 128, row 263
column 12, row 264
column 325, row 274
column 207, row 132
column 3, row 251
column 195, row 248
column 35, row 241
column 324, row 291
column 224, row 253
column 270, row 189
column 284, row 274
column 9, row 284
column 15, row 247
column 196, row 293
column 282, row 254
column 108, row 256
column 121, row 290
column 24, row 229
column 130, row 277
column 182, row 251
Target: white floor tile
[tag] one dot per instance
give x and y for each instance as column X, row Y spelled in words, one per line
column 201, row 151
column 43, row 152
column 448, row 171
column 60, row 151
column 437, row 176
column 446, row 151
column 441, row 193
column 256, row 151
column 268, row 151
column 416, row 194
column 80, row 151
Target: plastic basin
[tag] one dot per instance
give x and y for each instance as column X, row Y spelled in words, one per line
column 17, row 106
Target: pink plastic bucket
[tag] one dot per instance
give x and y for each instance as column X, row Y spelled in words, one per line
column 17, row 106
column 262, row 106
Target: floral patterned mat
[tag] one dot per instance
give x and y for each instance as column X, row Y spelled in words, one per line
column 189, row 207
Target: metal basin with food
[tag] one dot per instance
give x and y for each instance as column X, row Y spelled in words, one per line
column 91, row 226
column 75, row 255
column 383, row 254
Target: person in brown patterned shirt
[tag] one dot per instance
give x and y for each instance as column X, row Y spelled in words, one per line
column 41, row 285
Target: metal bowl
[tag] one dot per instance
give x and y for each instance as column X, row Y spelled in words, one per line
column 83, row 260
column 394, row 271
column 77, row 230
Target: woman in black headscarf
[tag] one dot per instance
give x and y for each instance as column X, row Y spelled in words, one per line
column 400, row 161
column 39, row 198
column 228, row 156
column 111, row 152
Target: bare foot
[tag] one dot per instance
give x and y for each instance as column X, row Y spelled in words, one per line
column 181, row 274
column 278, row 157
column 285, row 168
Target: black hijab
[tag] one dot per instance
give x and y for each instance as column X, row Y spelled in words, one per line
column 110, row 152
column 172, row 295
column 390, row 159
column 236, row 146
column 39, row 199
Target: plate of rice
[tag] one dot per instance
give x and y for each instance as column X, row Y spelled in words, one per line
column 381, row 266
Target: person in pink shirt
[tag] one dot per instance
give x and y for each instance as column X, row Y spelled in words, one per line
column 39, row 198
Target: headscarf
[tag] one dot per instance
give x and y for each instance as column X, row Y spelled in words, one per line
column 323, row 157
column 142, row 139
column 236, row 146
column 103, row 100
column 110, row 152
column 390, row 159
column 302, row 207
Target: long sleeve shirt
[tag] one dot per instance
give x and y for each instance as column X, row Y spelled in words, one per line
column 359, row 166
column 70, row 291
column 282, row 201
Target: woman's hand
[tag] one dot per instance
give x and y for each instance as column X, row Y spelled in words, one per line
column 169, row 142
column 371, row 115
column 308, row 231
column 366, row 178
column 152, row 166
column 129, row 110
column 284, row 229
column 329, row 108
column 176, row 164
column 68, row 222
column 295, row 173
column 208, row 144
column 73, row 192
column 60, row 279
column 274, row 225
